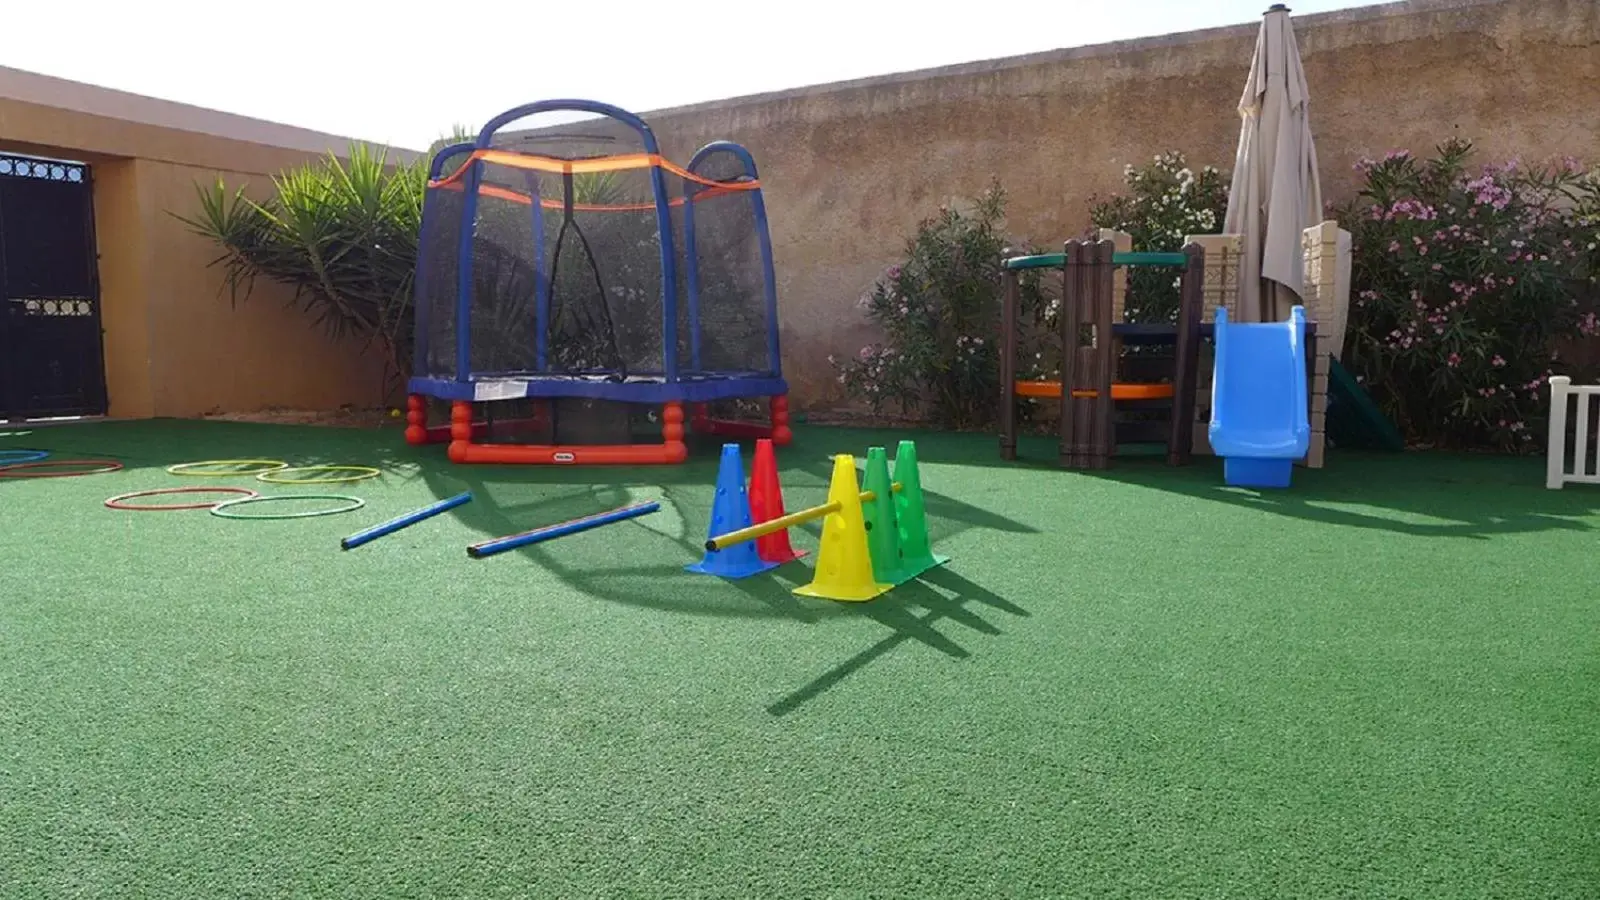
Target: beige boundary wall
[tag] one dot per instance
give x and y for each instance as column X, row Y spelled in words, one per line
column 849, row 168
column 174, row 346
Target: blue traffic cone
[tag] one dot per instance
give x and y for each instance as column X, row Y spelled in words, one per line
column 730, row 511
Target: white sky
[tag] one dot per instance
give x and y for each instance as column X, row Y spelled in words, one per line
column 403, row 73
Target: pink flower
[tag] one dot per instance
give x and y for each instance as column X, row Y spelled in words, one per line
column 1487, row 192
column 1454, row 360
column 1498, row 361
column 893, row 272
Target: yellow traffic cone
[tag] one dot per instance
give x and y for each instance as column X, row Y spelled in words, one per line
column 844, row 564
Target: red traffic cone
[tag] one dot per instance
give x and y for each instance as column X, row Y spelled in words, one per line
column 766, row 503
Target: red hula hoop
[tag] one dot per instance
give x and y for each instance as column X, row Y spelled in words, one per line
column 117, row 501
column 15, row 470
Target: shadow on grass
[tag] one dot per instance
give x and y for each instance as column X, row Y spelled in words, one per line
column 1423, row 494
column 896, row 611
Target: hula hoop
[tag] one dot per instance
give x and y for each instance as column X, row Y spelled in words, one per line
column 119, row 501
column 16, row 470
column 362, row 473
column 20, row 455
column 189, row 468
column 223, row 509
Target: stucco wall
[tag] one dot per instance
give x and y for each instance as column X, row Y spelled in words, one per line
column 174, row 345
column 849, row 169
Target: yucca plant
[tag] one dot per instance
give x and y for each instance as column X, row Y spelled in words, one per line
column 341, row 232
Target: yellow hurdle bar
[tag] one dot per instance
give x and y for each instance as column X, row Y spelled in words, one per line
column 772, row 526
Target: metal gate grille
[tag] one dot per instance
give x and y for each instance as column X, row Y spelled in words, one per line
column 51, row 354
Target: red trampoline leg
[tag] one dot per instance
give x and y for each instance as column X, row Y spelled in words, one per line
column 675, row 449
column 417, row 420
column 460, row 430
column 419, row 432
column 779, row 408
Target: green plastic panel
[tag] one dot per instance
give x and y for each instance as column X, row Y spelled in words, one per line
column 1042, row 261
column 1353, row 420
column 1057, row 260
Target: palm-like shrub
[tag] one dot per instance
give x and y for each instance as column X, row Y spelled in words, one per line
column 341, row 232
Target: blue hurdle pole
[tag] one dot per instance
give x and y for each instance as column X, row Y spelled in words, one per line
column 561, row 529
column 410, row 518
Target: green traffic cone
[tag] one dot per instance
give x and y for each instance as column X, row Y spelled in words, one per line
column 883, row 534
column 911, row 519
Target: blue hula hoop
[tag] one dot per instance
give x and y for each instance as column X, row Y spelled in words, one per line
column 22, row 456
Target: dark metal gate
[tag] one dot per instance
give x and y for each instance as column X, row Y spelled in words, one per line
column 52, row 361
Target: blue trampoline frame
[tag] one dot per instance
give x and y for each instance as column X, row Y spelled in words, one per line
column 670, row 384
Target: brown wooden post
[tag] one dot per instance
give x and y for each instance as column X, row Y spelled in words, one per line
column 1008, row 365
column 1087, row 360
column 1191, row 309
column 1101, row 409
column 1072, row 271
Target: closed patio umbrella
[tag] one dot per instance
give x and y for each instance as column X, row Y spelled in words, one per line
column 1275, row 193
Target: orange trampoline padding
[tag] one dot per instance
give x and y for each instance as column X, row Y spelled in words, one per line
column 1118, row 391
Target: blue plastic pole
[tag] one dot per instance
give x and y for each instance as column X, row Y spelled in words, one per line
column 561, row 529
column 410, row 518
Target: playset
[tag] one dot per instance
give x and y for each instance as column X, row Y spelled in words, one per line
column 1260, row 400
column 1090, row 355
column 568, row 279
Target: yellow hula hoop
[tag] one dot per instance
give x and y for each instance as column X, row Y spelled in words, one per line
column 261, row 466
column 276, row 476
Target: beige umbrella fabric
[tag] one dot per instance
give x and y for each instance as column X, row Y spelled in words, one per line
column 1275, row 193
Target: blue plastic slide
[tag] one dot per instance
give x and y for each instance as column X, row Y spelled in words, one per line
column 1260, row 418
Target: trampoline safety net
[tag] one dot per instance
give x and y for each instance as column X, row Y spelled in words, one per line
column 567, row 275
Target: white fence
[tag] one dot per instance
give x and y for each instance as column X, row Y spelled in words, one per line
column 1585, row 467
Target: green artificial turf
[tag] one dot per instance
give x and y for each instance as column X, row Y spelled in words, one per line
column 1383, row 682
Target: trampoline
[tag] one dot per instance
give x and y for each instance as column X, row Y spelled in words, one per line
column 574, row 288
